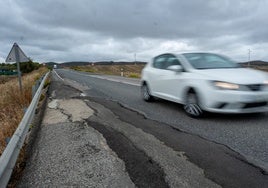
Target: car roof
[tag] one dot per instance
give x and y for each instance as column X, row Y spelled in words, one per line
column 183, row 53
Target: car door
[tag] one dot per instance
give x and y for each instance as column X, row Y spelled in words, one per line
column 156, row 75
column 172, row 82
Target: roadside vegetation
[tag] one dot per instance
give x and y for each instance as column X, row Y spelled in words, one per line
column 131, row 71
column 13, row 103
column 25, row 67
column 263, row 68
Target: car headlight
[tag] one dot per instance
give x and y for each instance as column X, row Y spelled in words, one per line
column 226, row 85
column 265, row 87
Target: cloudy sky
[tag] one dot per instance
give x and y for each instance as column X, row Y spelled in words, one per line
column 96, row 30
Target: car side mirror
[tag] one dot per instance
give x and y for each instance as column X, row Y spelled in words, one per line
column 175, row 68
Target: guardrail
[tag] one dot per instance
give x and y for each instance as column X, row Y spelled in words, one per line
column 36, row 85
column 9, row 157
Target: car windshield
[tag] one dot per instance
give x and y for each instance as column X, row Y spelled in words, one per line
column 209, row 61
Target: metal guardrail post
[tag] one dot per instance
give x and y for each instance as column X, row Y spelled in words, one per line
column 9, row 157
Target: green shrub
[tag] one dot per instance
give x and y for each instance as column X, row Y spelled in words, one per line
column 134, row 75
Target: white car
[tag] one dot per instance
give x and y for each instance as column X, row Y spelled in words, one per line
column 205, row 82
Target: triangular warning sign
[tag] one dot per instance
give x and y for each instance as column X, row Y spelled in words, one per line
column 16, row 55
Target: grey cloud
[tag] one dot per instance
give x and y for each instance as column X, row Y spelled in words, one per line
column 160, row 19
column 105, row 29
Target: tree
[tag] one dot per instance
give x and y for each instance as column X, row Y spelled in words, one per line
column 29, row 66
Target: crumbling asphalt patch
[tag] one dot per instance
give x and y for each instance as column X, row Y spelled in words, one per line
column 142, row 170
column 60, row 91
column 220, row 164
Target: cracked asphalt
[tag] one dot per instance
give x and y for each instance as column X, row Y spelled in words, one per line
column 88, row 141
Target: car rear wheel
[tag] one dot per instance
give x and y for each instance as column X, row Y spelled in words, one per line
column 145, row 91
column 191, row 106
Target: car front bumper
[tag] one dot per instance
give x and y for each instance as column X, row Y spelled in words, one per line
column 226, row 101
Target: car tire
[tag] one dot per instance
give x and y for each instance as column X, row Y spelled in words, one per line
column 146, row 94
column 191, row 106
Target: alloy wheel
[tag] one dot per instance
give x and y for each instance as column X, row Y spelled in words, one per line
column 191, row 106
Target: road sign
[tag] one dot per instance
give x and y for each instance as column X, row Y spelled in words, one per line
column 17, row 55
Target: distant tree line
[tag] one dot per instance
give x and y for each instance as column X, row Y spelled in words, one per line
column 25, row 67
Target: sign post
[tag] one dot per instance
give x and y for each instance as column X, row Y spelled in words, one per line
column 17, row 55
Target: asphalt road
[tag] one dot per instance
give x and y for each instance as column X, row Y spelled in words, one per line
column 245, row 134
column 90, row 137
column 86, row 141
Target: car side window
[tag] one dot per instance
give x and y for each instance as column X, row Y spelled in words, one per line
column 172, row 60
column 159, row 62
column 164, row 61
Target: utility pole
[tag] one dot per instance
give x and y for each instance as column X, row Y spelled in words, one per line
column 135, row 58
column 249, row 51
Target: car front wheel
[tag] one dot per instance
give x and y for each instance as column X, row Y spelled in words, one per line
column 191, row 106
column 145, row 91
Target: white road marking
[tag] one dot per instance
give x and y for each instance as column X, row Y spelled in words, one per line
column 109, row 79
column 58, row 75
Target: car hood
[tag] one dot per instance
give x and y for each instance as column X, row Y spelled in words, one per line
column 235, row 75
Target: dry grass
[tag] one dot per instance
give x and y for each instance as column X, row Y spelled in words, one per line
column 263, row 68
column 5, row 78
column 13, row 103
column 133, row 71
